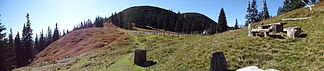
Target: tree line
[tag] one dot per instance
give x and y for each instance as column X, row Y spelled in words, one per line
column 149, row 17
column 254, row 15
column 20, row 50
column 289, row 5
column 88, row 23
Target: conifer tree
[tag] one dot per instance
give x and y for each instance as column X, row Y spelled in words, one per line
column 222, row 22
column 56, row 34
column 42, row 42
column 4, row 62
column 280, row 11
column 11, row 51
column 295, row 4
column 49, row 36
column 19, row 51
column 265, row 12
column 252, row 15
column 36, row 44
column 236, row 24
column 248, row 17
column 67, row 31
column 64, row 33
column 290, row 5
column 99, row 22
column 287, row 6
column 27, row 40
column 254, row 11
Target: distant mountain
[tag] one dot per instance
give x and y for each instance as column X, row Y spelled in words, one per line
column 149, row 17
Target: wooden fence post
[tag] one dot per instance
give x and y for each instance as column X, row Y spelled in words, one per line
column 249, row 30
column 218, row 62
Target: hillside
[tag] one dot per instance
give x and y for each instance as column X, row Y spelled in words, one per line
column 193, row 52
column 79, row 42
column 148, row 17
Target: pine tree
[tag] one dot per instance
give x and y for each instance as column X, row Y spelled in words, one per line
column 49, row 36
column 19, row 51
column 3, row 50
column 280, row 11
column 248, row 17
column 252, row 15
column 64, row 33
column 11, row 51
column 11, row 40
column 222, row 22
column 27, row 41
column 295, row 4
column 42, row 42
column 254, row 11
column 290, row 5
column 89, row 22
column 98, row 22
column 236, row 24
column 56, row 34
column 287, row 6
column 67, row 31
column 36, row 44
column 265, row 12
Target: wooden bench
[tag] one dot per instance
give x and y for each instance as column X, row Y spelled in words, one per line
column 265, row 32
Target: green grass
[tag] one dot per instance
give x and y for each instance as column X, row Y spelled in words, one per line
column 124, row 64
column 80, row 62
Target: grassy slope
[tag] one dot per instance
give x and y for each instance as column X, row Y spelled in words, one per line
column 193, row 52
column 240, row 50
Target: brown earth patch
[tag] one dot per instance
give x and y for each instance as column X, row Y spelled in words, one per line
column 78, row 42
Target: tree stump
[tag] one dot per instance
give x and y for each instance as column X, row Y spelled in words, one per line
column 140, row 57
column 218, row 62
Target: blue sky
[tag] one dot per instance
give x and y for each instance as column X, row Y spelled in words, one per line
column 67, row 13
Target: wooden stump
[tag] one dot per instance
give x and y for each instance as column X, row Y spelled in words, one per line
column 140, row 57
column 218, row 62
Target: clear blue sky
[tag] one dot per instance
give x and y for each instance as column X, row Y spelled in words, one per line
column 68, row 13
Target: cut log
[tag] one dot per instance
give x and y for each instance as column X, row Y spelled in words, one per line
column 294, row 19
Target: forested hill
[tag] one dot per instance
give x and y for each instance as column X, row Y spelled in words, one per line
column 149, row 17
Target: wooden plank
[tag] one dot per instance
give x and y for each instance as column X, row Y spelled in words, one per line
column 260, row 30
column 293, row 19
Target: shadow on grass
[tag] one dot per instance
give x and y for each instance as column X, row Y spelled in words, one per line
column 277, row 36
column 148, row 64
column 303, row 35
